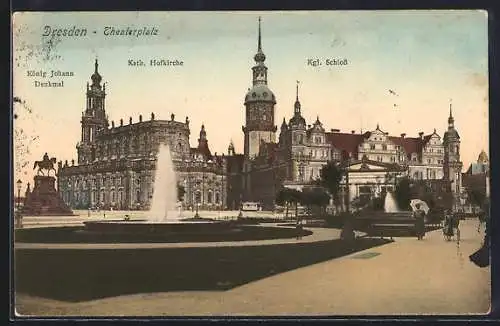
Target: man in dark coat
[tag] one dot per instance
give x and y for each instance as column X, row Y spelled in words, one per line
column 481, row 257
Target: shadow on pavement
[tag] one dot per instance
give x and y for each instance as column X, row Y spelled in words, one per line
column 80, row 274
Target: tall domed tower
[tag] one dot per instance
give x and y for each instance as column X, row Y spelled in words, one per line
column 259, row 104
column 452, row 165
column 93, row 118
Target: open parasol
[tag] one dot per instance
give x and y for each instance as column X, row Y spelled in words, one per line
column 423, row 205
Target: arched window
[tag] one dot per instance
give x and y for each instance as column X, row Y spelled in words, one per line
column 138, row 196
column 217, row 197
column 209, row 197
column 198, row 197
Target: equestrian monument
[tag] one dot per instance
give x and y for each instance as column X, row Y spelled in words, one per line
column 44, row 199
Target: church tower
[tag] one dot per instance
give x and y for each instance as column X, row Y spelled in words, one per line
column 298, row 134
column 259, row 104
column 93, row 118
column 452, row 165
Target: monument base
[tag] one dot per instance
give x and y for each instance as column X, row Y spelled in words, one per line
column 44, row 200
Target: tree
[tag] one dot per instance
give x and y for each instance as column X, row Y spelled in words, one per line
column 331, row 175
column 288, row 196
column 295, row 198
column 315, row 197
column 180, row 192
column 476, row 196
column 282, row 198
column 476, row 189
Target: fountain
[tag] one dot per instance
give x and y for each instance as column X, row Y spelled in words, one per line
column 390, row 205
column 164, row 216
column 164, row 201
column 164, row 221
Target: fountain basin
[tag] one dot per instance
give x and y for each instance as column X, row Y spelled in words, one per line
column 149, row 227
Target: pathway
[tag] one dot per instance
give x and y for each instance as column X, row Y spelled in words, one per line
column 405, row 277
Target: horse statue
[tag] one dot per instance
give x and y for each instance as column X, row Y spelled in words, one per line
column 45, row 164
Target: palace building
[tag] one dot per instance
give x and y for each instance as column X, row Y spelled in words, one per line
column 374, row 159
column 116, row 163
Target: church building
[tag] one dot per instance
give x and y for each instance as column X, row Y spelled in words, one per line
column 116, row 163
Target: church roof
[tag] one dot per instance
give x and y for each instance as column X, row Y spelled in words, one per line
column 483, row 157
column 260, row 93
column 297, row 120
column 451, row 133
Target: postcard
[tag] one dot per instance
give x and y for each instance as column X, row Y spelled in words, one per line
column 295, row 163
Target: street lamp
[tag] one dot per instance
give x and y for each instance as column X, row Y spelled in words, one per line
column 19, row 183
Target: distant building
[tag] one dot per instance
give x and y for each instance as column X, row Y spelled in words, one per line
column 477, row 178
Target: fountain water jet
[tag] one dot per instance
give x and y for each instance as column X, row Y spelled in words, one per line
column 390, row 205
column 164, row 201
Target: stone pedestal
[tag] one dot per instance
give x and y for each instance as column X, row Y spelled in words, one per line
column 44, row 199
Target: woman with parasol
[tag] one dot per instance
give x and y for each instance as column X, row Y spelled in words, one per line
column 419, row 215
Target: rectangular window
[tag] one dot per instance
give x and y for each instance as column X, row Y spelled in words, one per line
column 384, row 147
column 372, row 146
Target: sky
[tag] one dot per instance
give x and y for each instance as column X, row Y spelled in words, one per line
column 428, row 58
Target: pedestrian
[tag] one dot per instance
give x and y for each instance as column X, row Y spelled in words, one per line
column 448, row 225
column 298, row 229
column 456, row 225
column 347, row 232
column 481, row 257
column 419, row 216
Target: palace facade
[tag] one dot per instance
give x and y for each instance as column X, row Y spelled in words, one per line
column 374, row 159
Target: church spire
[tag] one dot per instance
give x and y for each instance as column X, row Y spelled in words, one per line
column 259, row 47
column 203, row 133
column 96, row 78
column 260, row 57
column 451, row 120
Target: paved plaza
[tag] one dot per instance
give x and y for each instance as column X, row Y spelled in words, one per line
column 404, row 277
